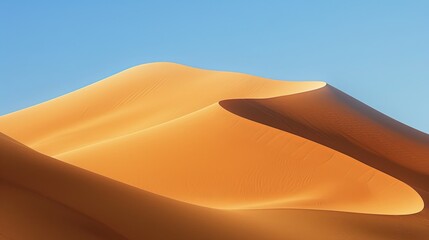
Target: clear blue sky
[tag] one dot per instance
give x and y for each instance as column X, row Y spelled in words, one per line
column 376, row 51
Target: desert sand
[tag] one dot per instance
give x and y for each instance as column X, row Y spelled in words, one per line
column 166, row 151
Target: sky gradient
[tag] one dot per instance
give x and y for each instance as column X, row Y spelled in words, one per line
column 376, row 51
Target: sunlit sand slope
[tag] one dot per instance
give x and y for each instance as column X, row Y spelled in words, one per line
column 132, row 100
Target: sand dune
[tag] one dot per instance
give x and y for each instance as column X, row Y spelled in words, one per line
column 207, row 147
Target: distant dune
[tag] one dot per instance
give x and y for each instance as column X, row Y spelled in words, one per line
column 165, row 151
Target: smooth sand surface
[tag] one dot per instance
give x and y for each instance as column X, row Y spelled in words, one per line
column 188, row 144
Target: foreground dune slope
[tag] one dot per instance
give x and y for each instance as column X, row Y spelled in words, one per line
column 43, row 198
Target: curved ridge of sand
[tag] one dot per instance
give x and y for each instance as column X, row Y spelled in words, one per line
column 347, row 125
column 350, row 127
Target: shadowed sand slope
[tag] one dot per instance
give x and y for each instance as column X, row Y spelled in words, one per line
column 347, row 125
column 330, row 117
column 42, row 198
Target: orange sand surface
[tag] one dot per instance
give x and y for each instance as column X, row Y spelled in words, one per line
column 165, row 151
